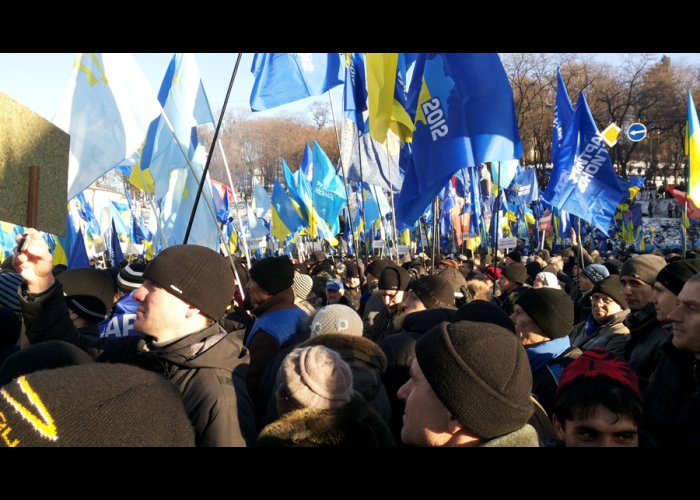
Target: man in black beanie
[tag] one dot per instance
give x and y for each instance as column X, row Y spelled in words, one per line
column 511, row 284
column 278, row 321
column 89, row 295
column 186, row 290
column 393, row 284
column 469, row 386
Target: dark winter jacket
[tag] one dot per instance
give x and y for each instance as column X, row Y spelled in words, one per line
column 353, row 425
column 208, row 367
column 647, row 335
column 611, row 334
column 547, row 361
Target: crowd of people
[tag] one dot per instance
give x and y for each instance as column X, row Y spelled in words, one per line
column 526, row 349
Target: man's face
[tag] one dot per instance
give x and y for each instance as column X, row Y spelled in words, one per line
column 525, row 328
column 664, row 301
column 603, row 306
column 333, row 296
column 602, row 428
column 637, row 292
column 160, row 314
column 505, row 285
column 584, row 283
column 686, row 319
column 254, row 295
column 411, row 303
column 392, row 299
column 425, row 419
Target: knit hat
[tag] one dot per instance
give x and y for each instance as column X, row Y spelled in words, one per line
column 131, row 277
column 515, row 272
column 612, row 287
column 643, row 267
column 455, row 279
column 273, row 274
column 302, row 284
column 613, row 266
column 481, row 311
column 376, row 267
column 514, row 255
column 394, row 278
column 595, row 272
column 675, row 274
column 532, row 269
column 543, row 254
column 195, row 274
column 434, row 291
column 550, row 280
column 352, row 271
column 334, row 284
column 493, row 273
column 89, row 292
column 43, row 356
column 481, row 373
column 316, row 377
column 550, row 308
column 9, row 291
column 336, row 318
column 599, row 363
column 96, row 404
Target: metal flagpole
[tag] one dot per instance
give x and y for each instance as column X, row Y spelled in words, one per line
column 235, row 201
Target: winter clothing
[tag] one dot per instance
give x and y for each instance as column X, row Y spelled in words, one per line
column 551, row 309
column 273, row 274
column 643, row 267
column 336, row 318
column 674, row 275
column 610, row 334
column 547, row 362
column 89, row 292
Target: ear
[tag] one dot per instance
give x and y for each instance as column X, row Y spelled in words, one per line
column 454, row 426
column 558, row 428
column 191, row 312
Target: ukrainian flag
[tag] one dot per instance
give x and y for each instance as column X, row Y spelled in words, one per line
column 285, row 219
column 692, row 149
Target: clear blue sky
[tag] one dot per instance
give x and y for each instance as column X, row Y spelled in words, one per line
column 39, row 80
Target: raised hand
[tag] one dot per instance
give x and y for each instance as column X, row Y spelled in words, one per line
column 34, row 261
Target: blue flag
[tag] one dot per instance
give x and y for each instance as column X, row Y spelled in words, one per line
column 525, row 186
column 584, row 182
column 563, row 112
column 115, row 247
column 78, row 257
column 464, row 115
column 281, row 78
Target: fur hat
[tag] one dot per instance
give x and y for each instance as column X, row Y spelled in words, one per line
column 481, row 311
column 9, row 291
column 481, row 373
column 336, row 318
column 96, row 404
column 550, row 308
column 643, row 267
column 315, row 377
column 394, row 278
column 515, row 272
column 611, row 287
column 130, row 277
column 434, row 291
column 302, row 284
column 599, row 363
column 674, row 275
column 595, row 272
column 195, row 274
column 273, row 274
column 89, row 292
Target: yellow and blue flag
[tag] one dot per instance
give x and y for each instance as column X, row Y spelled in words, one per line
column 285, row 219
column 692, row 149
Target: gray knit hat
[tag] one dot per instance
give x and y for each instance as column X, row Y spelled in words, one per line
column 643, row 267
column 596, row 272
column 336, row 318
column 481, row 373
column 434, row 291
column 302, row 285
column 515, row 272
column 316, row 377
column 9, row 291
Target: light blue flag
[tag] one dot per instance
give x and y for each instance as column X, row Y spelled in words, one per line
column 329, row 196
column 120, row 213
column 503, row 172
column 86, row 213
column 307, row 163
column 281, row 78
column 525, row 186
column 185, row 103
column 464, row 115
column 563, row 112
column 584, row 182
column 106, row 109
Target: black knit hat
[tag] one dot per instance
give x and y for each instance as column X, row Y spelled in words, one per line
column 533, row 268
column 195, row 274
column 612, row 287
column 89, row 292
column 131, row 276
column 97, row 404
column 273, row 274
column 482, row 311
column 394, row 278
column 550, row 308
column 43, row 356
column 675, row 274
column 481, row 373
column 643, row 267
column 515, row 256
column 376, row 267
column 515, row 272
column 433, row 291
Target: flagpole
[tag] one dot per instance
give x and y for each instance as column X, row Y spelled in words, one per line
column 157, row 214
column 211, row 150
column 436, row 235
column 495, row 228
column 391, row 192
column 362, row 197
column 235, row 201
column 345, row 184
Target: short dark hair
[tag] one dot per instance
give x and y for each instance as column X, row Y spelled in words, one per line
column 579, row 400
